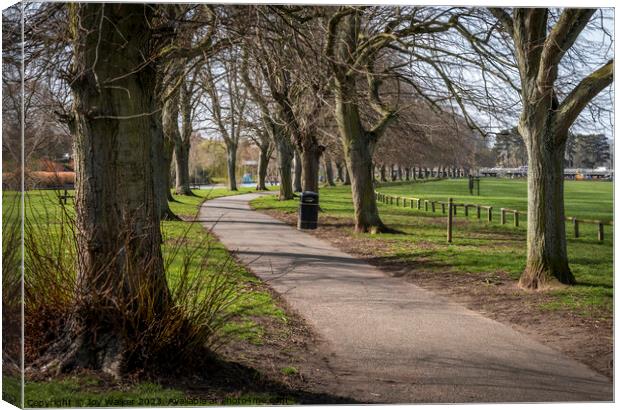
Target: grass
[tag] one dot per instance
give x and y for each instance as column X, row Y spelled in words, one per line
column 43, row 209
column 486, row 248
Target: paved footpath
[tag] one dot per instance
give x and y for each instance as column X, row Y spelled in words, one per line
column 394, row 341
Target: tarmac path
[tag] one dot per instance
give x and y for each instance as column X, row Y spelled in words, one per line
column 390, row 341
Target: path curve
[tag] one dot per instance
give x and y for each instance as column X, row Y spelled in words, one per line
column 394, row 341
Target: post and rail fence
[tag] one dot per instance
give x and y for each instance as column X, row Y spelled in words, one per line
column 450, row 207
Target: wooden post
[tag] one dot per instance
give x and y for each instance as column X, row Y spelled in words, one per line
column 601, row 234
column 478, row 211
column 426, row 205
column 433, row 206
column 397, row 200
column 443, row 208
column 418, row 203
column 490, row 214
column 449, row 220
column 466, row 209
column 516, row 217
column 391, row 200
column 576, row 227
column 454, row 209
column 502, row 216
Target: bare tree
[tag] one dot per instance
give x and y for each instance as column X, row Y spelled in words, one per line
column 356, row 42
column 117, row 221
column 540, row 45
column 228, row 103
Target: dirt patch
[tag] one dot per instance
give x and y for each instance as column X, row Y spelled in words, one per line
column 495, row 295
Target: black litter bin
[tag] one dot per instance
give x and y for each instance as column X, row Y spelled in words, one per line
column 308, row 210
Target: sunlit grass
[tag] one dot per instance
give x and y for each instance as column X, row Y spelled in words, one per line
column 480, row 247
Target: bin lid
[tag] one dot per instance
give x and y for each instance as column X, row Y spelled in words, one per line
column 309, row 197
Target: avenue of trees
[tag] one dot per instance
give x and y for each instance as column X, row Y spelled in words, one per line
column 361, row 92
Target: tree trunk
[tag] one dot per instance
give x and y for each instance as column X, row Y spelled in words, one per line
column 161, row 157
column 263, row 164
column 547, row 259
column 120, row 266
column 347, row 176
column 182, row 145
column 297, row 174
column 383, row 173
column 339, row 171
column 329, row 170
column 181, row 153
column 311, row 160
column 407, row 173
column 231, row 165
column 399, row 173
column 358, row 147
column 285, row 152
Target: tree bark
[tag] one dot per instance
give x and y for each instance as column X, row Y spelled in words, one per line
column 547, row 259
column 182, row 146
column 120, row 265
column 339, row 172
column 347, row 176
column 311, row 160
column 161, row 157
column 298, row 172
column 358, row 147
column 383, row 177
column 263, row 165
column 181, row 152
column 285, row 151
column 231, row 165
column 329, row 170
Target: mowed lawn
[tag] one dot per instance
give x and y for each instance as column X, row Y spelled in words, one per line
column 485, row 248
column 43, row 211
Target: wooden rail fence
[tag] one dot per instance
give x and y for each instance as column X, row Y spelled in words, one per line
column 452, row 208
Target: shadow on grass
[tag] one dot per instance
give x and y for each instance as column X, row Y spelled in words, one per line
column 226, row 379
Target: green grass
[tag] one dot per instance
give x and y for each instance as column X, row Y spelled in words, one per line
column 44, row 212
column 486, row 248
column 583, row 199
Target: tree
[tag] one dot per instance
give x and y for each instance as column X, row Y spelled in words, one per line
column 357, row 40
column 119, row 238
column 183, row 144
column 228, row 106
column 273, row 126
column 540, row 45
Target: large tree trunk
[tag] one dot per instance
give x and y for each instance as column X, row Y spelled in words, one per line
column 120, row 265
column 358, row 147
column 263, row 165
column 311, row 160
column 366, row 212
column 231, row 165
column 297, row 164
column 285, row 151
column 547, row 259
